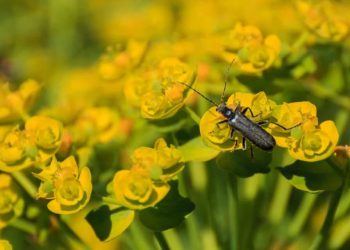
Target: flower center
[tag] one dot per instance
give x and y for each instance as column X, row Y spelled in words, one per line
column 70, row 190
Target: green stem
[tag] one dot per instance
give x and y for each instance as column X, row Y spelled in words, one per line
column 139, row 237
column 233, row 206
column 196, row 118
column 69, row 233
column 161, row 241
column 322, row 238
column 26, row 183
column 193, row 233
column 109, row 200
column 24, row 225
column 302, row 214
column 280, row 200
column 25, row 116
column 300, row 41
column 175, row 141
column 249, row 201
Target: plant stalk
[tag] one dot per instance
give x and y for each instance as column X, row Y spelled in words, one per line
column 322, row 238
column 161, row 241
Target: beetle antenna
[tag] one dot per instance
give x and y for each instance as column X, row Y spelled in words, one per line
column 226, row 78
column 206, row 98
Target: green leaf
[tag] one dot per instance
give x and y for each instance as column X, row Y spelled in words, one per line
column 169, row 212
column 307, row 66
column 109, row 223
column 333, row 80
column 241, row 164
column 196, row 150
column 281, row 158
column 312, row 176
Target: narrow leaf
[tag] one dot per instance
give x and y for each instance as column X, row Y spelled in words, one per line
column 196, row 150
column 168, row 213
column 109, row 223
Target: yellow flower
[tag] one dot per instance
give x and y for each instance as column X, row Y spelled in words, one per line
column 97, row 125
column 165, row 100
column 166, row 156
column 242, row 36
column 44, row 132
column 256, row 58
column 321, row 19
column 217, row 135
column 134, row 88
column 13, row 105
column 144, row 156
column 40, row 139
column 114, row 64
column 47, row 177
column 171, row 70
column 316, row 144
column 174, row 93
column 15, row 153
column 258, row 103
column 4, row 130
column 161, row 162
column 251, row 52
column 12, row 150
column 5, row 245
column 68, row 188
column 169, row 159
column 133, row 22
column 134, row 189
column 154, row 106
column 11, row 203
column 289, row 115
column 28, row 91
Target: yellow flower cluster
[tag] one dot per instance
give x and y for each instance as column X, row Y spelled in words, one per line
column 67, row 186
column 35, row 144
column 308, row 142
column 5, row 245
column 321, row 19
column 11, row 202
column 251, row 52
column 115, row 64
column 15, row 104
column 145, row 184
column 89, row 118
column 158, row 91
column 97, row 125
column 304, row 138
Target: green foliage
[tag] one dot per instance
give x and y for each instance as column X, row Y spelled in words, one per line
column 109, row 222
column 197, row 150
column 168, row 213
column 126, row 126
column 313, row 176
column 242, row 164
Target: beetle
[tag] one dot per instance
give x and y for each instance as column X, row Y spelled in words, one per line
column 238, row 121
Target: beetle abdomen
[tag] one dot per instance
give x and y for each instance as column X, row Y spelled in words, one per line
column 253, row 132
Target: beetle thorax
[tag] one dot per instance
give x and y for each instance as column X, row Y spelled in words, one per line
column 225, row 111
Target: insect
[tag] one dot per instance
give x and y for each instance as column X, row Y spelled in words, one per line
column 238, row 121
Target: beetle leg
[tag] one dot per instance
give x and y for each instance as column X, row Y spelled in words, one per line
column 231, row 133
column 284, row 128
column 244, row 110
column 251, row 152
column 221, row 122
column 244, row 143
column 265, row 122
